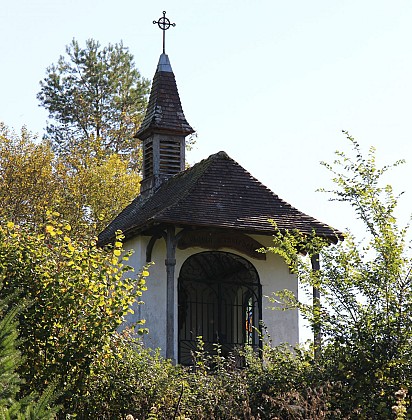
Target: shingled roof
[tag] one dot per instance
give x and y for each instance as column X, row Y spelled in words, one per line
column 164, row 111
column 216, row 192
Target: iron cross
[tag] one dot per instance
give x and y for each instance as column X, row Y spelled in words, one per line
column 164, row 24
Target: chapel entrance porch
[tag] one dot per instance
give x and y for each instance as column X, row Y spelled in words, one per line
column 220, row 300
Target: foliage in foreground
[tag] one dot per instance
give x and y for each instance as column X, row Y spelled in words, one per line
column 140, row 383
column 78, row 294
column 278, row 383
column 11, row 406
column 366, row 290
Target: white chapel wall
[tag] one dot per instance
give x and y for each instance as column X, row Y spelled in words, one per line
column 154, row 308
column 274, row 275
column 282, row 326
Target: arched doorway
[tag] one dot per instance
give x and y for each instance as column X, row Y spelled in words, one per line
column 220, row 299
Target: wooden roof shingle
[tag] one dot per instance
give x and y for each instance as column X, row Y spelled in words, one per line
column 216, row 192
column 164, row 110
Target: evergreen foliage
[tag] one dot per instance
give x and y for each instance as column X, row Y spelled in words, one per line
column 11, row 405
column 9, row 355
column 96, row 100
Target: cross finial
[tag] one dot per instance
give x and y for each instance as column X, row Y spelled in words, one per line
column 164, row 24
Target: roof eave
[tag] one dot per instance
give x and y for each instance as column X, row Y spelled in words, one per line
column 148, row 131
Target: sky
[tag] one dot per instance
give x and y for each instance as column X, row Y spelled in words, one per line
column 272, row 83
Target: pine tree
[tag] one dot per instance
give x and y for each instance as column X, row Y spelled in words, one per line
column 26, row 408
column 9, row 355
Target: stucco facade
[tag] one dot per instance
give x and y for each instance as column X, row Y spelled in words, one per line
column 274, row 275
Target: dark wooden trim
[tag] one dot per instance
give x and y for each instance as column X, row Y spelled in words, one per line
column 215, row 240
column 317, row 333
column 150, row 245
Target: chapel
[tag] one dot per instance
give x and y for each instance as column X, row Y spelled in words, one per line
column 202, row 227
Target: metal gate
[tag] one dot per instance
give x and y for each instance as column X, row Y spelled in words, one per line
column 220, row 299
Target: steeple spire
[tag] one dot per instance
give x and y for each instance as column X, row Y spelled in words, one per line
column 164, row 127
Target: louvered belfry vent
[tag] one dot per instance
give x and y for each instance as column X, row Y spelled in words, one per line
column 163, row 130
column 170, row 158
column 148, row 159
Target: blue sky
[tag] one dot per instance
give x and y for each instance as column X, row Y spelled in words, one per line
column 271, row 82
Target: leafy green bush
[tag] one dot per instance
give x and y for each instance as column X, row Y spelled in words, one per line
column 131, row 380
column 127, row 379
column 79, row 295
column 366, row 292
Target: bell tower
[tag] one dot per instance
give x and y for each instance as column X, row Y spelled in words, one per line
column 164, row 127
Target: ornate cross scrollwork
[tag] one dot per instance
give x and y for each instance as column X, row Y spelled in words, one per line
column 164, row 24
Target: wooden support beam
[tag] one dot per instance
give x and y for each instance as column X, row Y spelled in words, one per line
column 317, row 334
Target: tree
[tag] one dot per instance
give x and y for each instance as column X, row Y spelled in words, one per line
column 33, row 180
column 28, row 186
column 93, row 195
column 79, row 295
column 366, row 290
column 11, row 407
column 96, row 100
